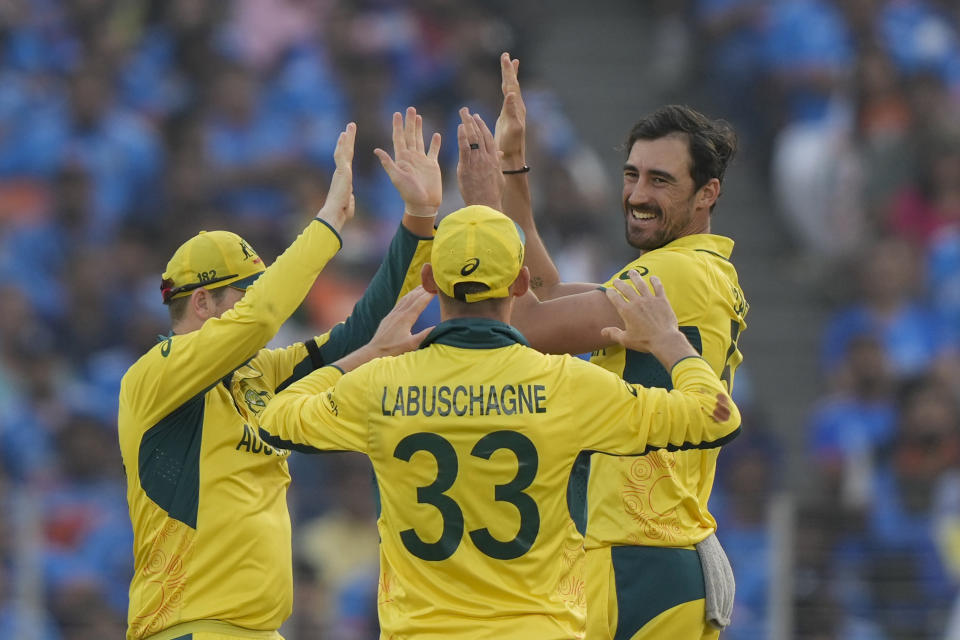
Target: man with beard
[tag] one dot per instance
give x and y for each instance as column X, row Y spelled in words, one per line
column 648, row 515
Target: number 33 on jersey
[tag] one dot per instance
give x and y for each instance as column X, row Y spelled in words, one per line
column 472, row 439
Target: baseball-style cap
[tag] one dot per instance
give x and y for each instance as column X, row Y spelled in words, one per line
column 210, row 259
column 477, row 244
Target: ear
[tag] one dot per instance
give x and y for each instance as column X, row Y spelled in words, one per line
column 708, row 194
column 426, row 278
column 201, row 304
column 521, row 284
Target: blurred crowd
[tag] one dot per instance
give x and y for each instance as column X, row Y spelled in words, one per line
column 128, row 125
column 850, row 111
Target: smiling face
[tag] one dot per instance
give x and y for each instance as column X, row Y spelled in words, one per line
column 660, row 201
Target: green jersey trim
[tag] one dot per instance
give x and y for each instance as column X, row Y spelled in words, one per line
column 279, row 443
column 169, row 461
column 671, row 577
column 312, row 362
column 474, row 333
column 644, row 368
column 714, row 253
column 330, row 226
column 577, row 491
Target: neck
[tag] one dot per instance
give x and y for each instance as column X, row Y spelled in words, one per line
column 499, row 310
column 700, row 223
column 186, row 325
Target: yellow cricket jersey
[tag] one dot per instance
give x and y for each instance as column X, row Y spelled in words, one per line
column 472, row 439
column 207, row 496
column 660, row 499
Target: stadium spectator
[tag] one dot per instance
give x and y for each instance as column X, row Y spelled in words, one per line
column 857, row 420
column 341, row 547
column 931, row 203
column 890, row 307
column 910, row 584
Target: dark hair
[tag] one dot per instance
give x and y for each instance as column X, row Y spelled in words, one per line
column 712, row 143
column 178, row 306
column 462, row 289
column 459, row 299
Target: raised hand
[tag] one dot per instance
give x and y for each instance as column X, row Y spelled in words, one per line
column 414, row 172
column 393, row 336
column 339, row 205
column 511, row 127
column 478, row 170
column 648, row 318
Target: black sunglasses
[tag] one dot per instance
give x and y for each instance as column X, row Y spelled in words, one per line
column 168, row 291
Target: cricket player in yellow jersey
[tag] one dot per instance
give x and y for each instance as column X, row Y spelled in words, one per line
column 654, row 568
column 207, row 497
column 474, row 435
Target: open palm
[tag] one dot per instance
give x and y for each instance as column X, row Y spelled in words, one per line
column 414, row 171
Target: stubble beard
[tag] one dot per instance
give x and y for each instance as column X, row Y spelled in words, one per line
column 647, row 242
column 653, row 239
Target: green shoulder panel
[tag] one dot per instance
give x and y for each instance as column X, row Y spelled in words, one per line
column 169, row 461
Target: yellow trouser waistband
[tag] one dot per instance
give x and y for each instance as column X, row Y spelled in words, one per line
column 212, row 626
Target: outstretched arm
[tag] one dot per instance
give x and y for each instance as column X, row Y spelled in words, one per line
column 510, row 135
column 323, row 410
column 698, row 412
column 416, row 174
column 193, row 362
column 511, row 131
column 568, row 324
column 393, row 336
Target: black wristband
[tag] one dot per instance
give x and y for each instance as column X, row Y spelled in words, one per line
column 508, row 172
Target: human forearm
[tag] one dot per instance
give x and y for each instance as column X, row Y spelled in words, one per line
column 670, row 348
column 544, row 275
column 393, row 335
column 420, row 225
column 568, row 324
column 360, row 356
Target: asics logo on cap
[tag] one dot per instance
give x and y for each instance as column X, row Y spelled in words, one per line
column 470, row 266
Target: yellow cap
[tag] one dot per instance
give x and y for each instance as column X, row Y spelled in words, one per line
column 210, row 259
column 477, row 244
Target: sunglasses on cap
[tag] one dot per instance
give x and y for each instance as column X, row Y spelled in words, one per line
column 168, row 291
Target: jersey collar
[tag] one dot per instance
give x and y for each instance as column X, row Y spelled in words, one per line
column 474, row 333
column 718, row 245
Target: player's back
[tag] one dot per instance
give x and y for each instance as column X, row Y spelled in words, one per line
column 472, row 449
column 472, row 439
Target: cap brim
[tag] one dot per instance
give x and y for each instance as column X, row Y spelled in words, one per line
column 243, row 283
